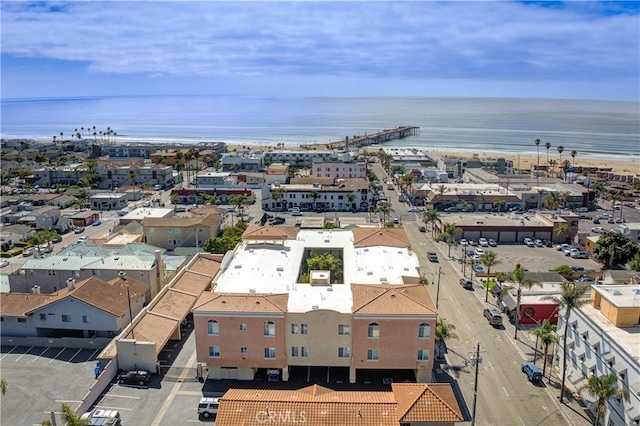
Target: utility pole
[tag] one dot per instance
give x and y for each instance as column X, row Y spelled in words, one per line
column 476, row 360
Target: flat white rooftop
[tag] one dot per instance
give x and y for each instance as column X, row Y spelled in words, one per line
column 275, row 268
column 142, row 212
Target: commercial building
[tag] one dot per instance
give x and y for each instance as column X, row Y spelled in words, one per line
column 603, row 338
column 270, row 311
column 405, row 404
column 323, row 194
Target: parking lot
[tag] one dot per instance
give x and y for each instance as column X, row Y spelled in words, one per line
column 40, row 379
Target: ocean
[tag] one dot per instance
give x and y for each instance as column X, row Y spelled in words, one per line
column 472, row 125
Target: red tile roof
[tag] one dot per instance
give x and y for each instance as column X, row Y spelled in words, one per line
column 409, row 299
column 368, row 237
column 317, row 405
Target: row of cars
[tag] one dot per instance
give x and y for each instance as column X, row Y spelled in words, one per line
column 530, row 242
column 572, row 251
column 482, row 242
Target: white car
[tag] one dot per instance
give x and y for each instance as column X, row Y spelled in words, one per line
column 483, row 242
column 479, row 251
column 4, row 263
column 597, row 230
column 529, row 242
column 492, row 242
column 463, row 242
column 82, row 239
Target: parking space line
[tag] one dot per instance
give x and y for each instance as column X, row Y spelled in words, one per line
column 27, row 351
column 12, row 349
column 58, row 354
column 41, row 353
column 121, row 396
column 91, row 356
column 75, row 355
column 67, row 400
column 102, row 407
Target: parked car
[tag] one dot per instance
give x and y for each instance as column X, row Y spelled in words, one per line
column 585, row 278
column 296, row 213
column 580, row 254
column 79, row 230
column 577, row 268
column 560, row 247
column 492, row 243
column 473, row 243
column 463, row 242
column 101, row 418
column 56, row 239
column 529, row 242
column 596, row 221
column 479, row 251
column 208, row 406
column 539, row 243
column 27, row 252
column 276, row 221
column 483, row 242
column 422, row 228
column 82, row 239
column 3, row 263
column 135, row 377
column 432, row 256
column 493, row 316
column 466, row 283
column 532, row 371
column 97, row 223
column 478, row 268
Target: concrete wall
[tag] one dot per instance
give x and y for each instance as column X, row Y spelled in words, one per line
column 136, row 355
column 109, row 371
column 57, row 342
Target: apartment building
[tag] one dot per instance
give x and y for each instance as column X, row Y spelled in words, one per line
column 338, row 170
column 300, row 158
column 269, row 311
column 172, row 232
column 603, row 339
column 89, row 308
column 322, row 194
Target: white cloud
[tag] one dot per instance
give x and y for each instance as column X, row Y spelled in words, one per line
column 401, row 40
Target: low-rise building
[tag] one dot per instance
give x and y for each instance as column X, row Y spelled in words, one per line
column 268, row 311
column 172, row 232
column 89, row 308
column 108, row 201
column 405, row 404
column 603, row 339
column 323, row 194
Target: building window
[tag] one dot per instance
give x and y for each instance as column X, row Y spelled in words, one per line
column 66, row 318
column 294, row 328
column 374, row 331
column 423, row 355
column 343, row 352
column 213, row 328
column 85, row 319
column 22, row 320
column 43, row 317
column 304, row 351
column 304, row 328
column 269, row 353
column 243, row 327
column 269, row 329
column 424, row 331
column 294, row 351
column 243, row 350
column 214, row 351
column 372, row 354
column 343, row 329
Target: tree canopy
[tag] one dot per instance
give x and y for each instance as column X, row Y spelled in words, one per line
column 613, row 248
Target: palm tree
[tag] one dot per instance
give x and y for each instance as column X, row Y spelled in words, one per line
column 239, row 201
column 546, row 333
column 570, row 298
column 537, row 142
column 315, row 195
column 430, row 216
column 441, row 190
column 547, row 145
column 520, row 282
column 384, row 208
column 603, row 389
column 498, row 203
column 573, row 156
column 132, row 177
column 71, row 418
column 449, row 233
column 489, row 259
column 350, row 199
column 444, row 331
column 562, row 230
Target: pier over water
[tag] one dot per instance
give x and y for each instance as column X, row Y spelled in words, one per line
column 375, row 138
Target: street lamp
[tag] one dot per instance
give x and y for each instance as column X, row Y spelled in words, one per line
column 130, row 314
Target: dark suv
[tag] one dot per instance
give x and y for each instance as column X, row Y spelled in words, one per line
column 135, row 377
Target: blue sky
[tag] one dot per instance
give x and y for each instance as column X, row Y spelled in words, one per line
column 581, row 50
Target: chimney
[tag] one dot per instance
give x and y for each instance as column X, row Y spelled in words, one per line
column 71, row 283
column 122, row 275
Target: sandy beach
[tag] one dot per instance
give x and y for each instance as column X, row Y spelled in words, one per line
column 520, row 161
